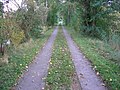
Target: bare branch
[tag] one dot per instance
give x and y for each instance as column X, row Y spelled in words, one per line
column 15, row 3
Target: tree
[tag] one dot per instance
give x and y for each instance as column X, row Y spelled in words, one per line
column 1, row 9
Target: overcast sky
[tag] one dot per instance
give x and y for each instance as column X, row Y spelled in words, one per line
column 10, row 5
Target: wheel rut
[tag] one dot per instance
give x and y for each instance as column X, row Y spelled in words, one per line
column 87, row 77
column 33, row 78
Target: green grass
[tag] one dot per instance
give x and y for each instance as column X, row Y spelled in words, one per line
column 61, row 67
column 109, row 70
column 19, row 61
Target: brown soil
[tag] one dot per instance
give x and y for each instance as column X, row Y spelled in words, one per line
column 75, row 83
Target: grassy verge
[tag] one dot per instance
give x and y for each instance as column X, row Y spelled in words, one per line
column 108, row 70
column 19, row 61
column 61, row 67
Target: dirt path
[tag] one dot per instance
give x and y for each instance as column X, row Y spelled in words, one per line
column 87, row 77
column 33, row 79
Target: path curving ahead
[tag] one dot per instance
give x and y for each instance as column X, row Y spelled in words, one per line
column 87, row 77
column 33, row 79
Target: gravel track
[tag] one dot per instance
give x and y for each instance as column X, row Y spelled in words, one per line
column 87, row 77
column 33, row 78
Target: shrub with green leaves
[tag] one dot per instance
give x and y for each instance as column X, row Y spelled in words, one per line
column 36, row 32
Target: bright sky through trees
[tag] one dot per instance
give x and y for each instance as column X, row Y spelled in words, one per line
column 11, row 4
